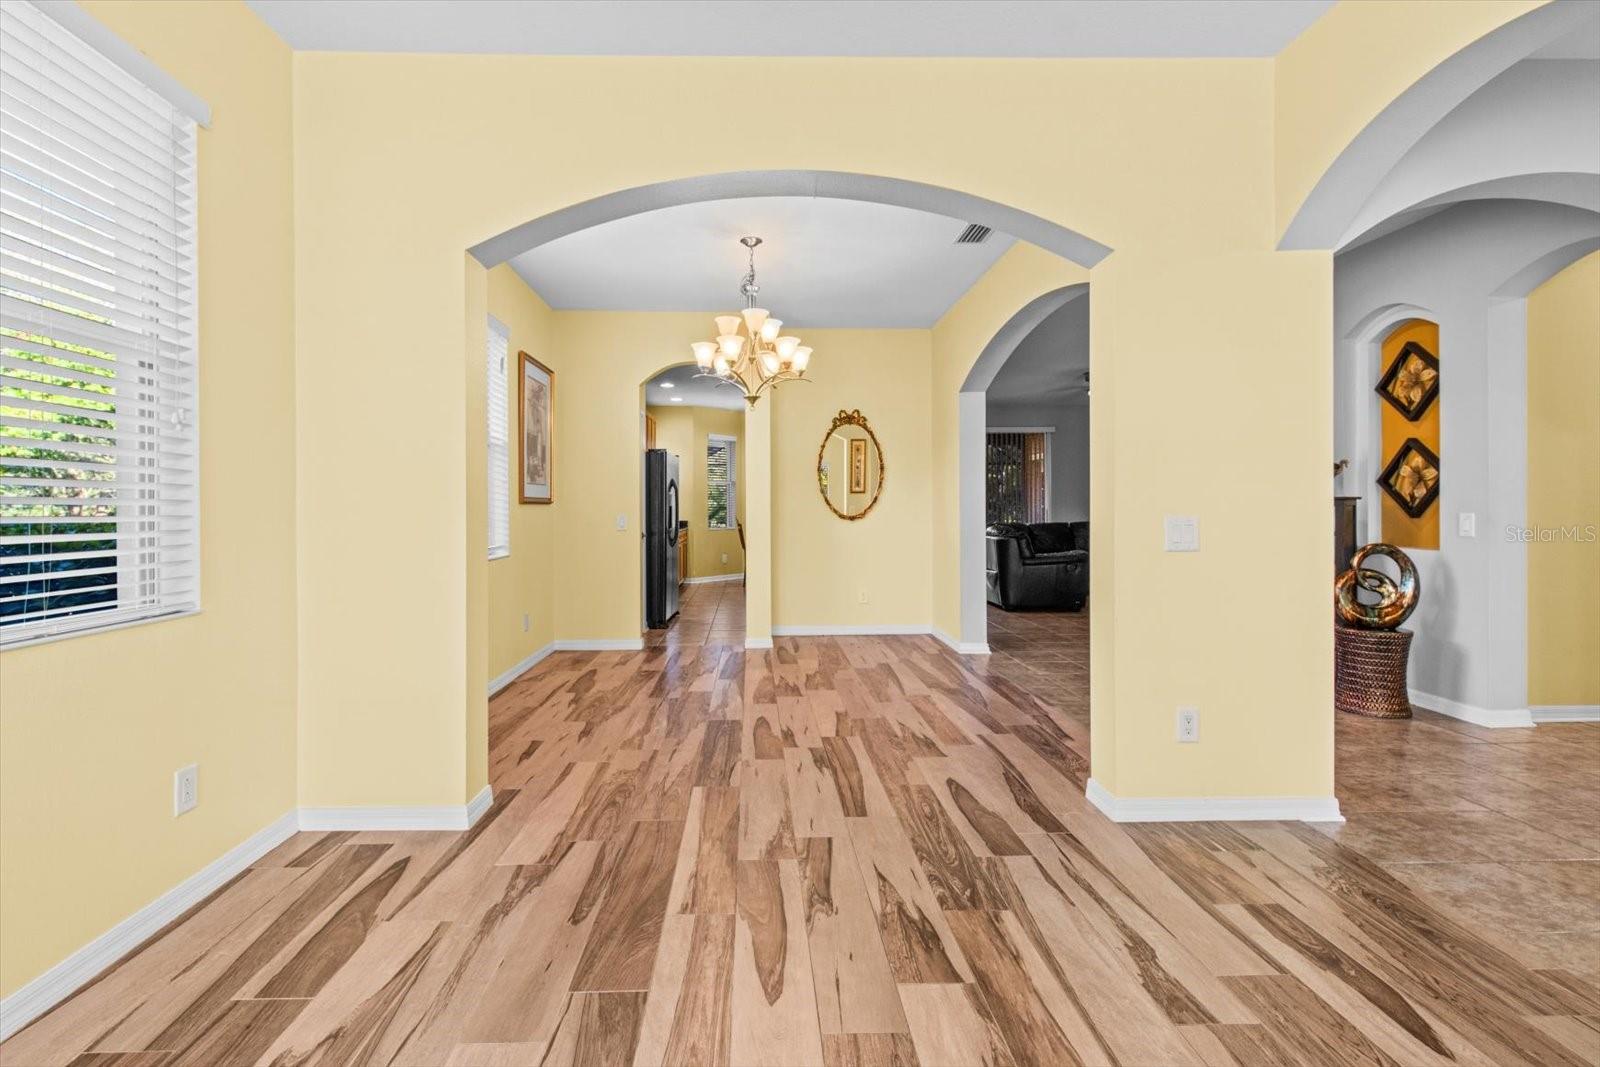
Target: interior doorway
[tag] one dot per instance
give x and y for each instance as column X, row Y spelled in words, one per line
column 692, row 535
column 1035, row 515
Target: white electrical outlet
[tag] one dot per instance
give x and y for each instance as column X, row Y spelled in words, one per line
column 622, row 522
column 861, row 597
column 185, row 789
column 1188, row 724
column 1182, row 533
column 524, row 622
column 724, row 557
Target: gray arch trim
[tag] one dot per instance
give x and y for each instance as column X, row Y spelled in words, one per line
column 1331, row 207
column 1544, row 268
column 812, row 183
column 1009, row 336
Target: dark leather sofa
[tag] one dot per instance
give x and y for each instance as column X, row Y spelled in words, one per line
column 1038, row 565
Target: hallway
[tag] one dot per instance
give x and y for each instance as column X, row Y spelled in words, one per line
column 709, row 613
column 852, row 850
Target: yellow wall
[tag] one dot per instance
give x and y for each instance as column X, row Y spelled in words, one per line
column 685, row 431
column 1349, row 65
column 1564, row 486
column 1200, row 249
column 95, row 726
column 353, row 586
column 822, row 563
column 522, row 583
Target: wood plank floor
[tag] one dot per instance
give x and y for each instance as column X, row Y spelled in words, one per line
column 872, row 851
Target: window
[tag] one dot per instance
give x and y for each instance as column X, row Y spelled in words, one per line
column 99, row 447
column 1018, row 476
column 721, row 483
column 499, row 443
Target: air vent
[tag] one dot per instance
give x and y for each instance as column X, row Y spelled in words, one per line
column 974, row 234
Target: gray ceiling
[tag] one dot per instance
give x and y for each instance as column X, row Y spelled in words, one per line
column 999, row 28
column 679, row 385
column 824, row 262
column 1048, row 366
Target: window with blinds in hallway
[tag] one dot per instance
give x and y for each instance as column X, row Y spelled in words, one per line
column 99, row 446
column 499, row 442
column 1018, row 477
column 721, row 487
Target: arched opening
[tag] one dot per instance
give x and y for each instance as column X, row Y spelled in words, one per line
column 1332, row 213
column 692, row 501
column 1468, row 195
column 868, row 188
column 973, row 441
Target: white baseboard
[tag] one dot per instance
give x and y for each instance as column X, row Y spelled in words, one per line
column 757, row 642
column 966, row 648
column 519, row 668
column 599, row 644
column 1494, row 718
column 437, row 817
column 872, row 630
column 66, row 977
column 715, row 578
column 1565, row 713
column 1212, row 809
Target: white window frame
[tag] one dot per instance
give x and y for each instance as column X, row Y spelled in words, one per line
column 732, row 444
column 101, row 221
column 498, row 411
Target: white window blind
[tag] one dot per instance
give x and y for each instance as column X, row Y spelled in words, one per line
column 499, row 443
column 99, row 449
column 721, row 490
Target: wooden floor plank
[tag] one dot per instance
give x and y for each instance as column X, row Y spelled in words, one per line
column 871, row 850
column 772, row 995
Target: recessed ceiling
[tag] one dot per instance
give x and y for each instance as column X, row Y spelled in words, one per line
column 1049, row 364
column 822, row 263
column 998, row 28
column 681, row 387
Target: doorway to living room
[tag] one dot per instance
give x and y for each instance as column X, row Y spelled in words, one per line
column 1036, row 515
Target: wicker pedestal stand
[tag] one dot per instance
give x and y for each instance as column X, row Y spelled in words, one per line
column 1369, row 672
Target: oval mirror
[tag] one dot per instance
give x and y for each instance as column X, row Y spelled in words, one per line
column 850, row 466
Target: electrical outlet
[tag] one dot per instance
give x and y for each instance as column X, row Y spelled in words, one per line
column 724, row 557
column 1182, row 533
column 622, row 522
column 1188, row 725
column 185, row 789
column 524, row 622
column 861, row 597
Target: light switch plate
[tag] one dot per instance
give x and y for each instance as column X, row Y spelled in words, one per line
column 1182, row 533
column 622, row 522
column 1467, row 524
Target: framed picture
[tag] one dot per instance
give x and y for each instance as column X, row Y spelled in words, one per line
column 1411, row 382
column 537, row 424
column 858, row 464
column 1412, row 478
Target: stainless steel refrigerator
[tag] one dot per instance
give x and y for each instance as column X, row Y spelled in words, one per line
column 660, row 537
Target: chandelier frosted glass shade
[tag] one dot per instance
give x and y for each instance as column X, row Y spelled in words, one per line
column 750, row 351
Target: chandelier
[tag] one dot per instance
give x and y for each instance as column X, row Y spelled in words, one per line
column 750, row 351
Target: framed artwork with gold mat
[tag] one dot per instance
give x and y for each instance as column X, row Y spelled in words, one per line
column 1412, row 478
column 1412, row 381
column 536, row 423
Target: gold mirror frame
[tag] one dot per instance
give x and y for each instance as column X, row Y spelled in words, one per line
column 851, row 418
